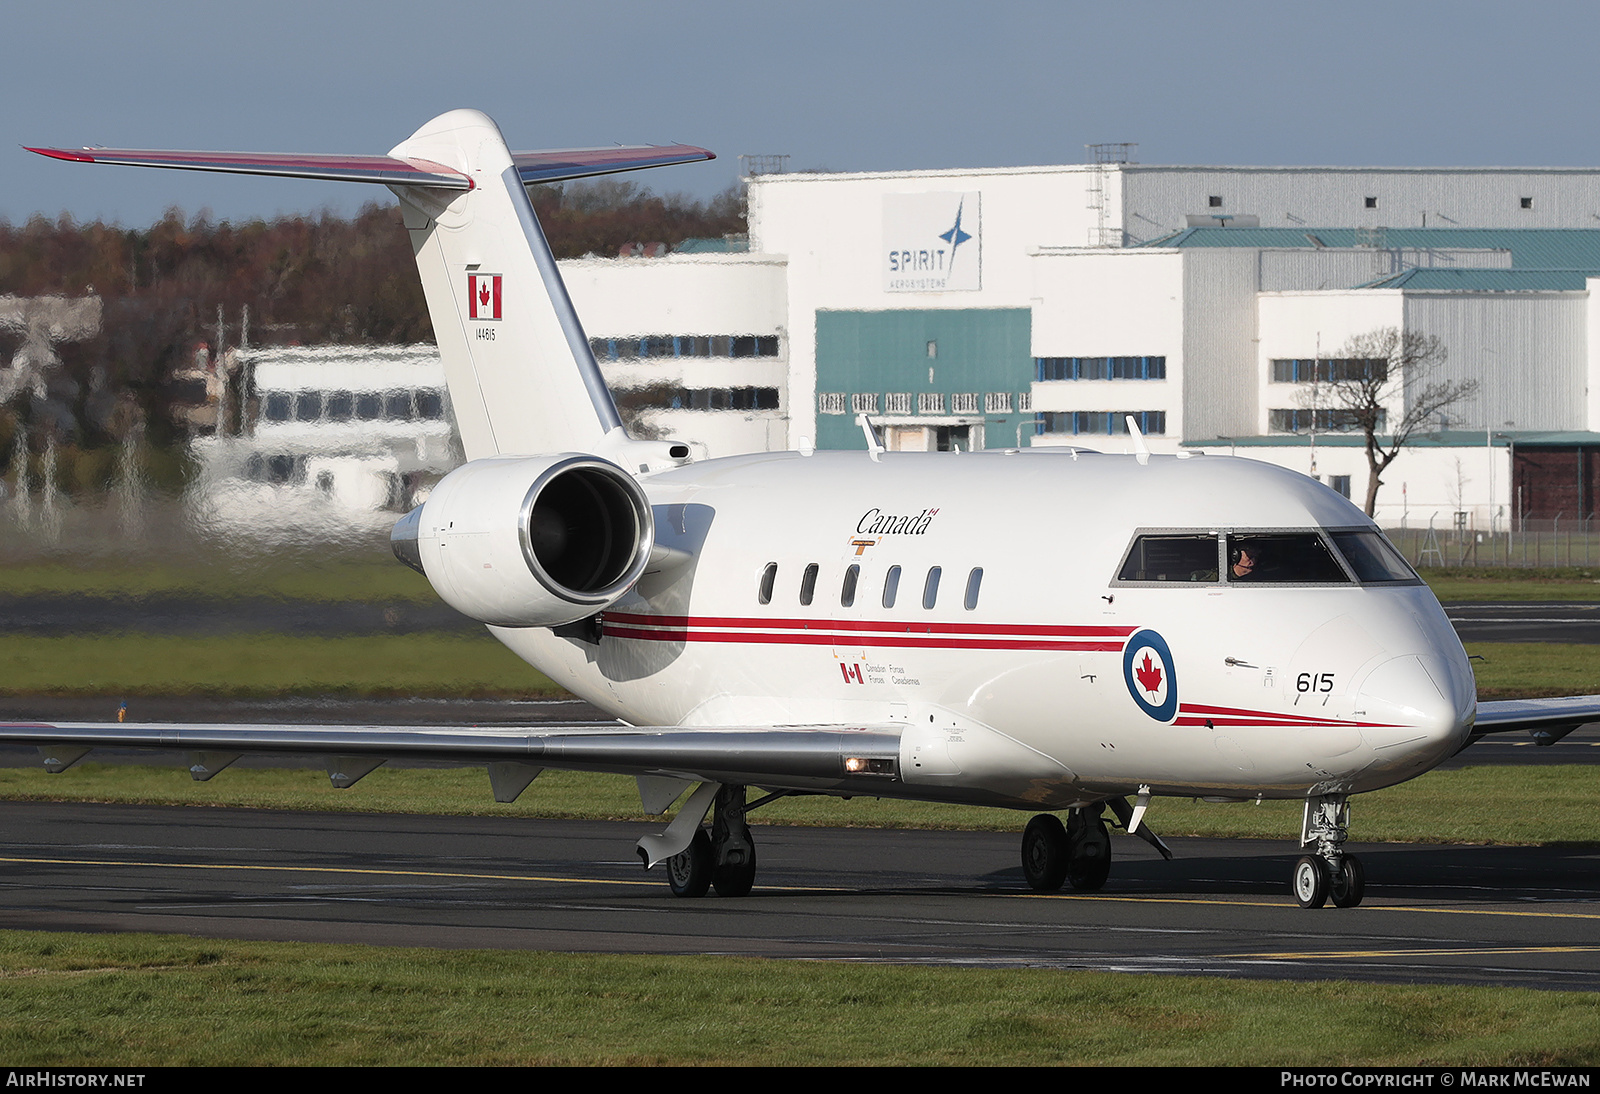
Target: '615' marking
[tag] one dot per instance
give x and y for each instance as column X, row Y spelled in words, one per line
column 1314, row 681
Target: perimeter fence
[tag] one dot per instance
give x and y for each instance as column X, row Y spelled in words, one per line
column 1544, row 544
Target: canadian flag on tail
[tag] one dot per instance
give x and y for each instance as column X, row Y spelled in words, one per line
column 483, row 296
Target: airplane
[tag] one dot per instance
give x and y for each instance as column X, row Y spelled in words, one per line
column 1053, row 630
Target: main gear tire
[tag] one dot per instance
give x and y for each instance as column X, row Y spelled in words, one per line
column 1045, row 853
column 689, row 871
column 736, row 880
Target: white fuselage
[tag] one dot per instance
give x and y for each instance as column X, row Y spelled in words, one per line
column 1027, row 696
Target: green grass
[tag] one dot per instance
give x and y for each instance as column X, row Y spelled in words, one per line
column 1513, row 670
column 132, row 1001
column 259, row 665
column 1469, row 805
column 1456, row 585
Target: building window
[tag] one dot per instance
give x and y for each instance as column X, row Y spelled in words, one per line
column 933, row 348
column 965, row 402
column 732, row 398
column 1340, row 484
column 1303, row 370
column 1372, row 203
column 1151, row 423
column 1327, row 420
column 1214, row 201
column 897, row 402
column 864, row 404
column 830, row 402
column 929, row 402
column 1025, row 402
column 1048, row 369
column 1527, row 203
column 997, row 402
column 685, row 345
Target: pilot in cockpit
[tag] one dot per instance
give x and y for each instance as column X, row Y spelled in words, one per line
column 1242, row 562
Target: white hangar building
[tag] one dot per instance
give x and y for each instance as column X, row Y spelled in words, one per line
column 1045, row 305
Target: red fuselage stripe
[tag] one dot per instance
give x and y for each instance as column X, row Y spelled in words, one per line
column 682, row 622
column 826, row 638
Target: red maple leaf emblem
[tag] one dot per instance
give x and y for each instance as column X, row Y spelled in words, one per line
column 483, row 295
column 1149, row 676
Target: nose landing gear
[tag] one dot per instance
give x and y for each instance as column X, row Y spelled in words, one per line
column 1327, row 872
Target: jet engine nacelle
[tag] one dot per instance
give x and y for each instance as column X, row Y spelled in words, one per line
column 530, row 541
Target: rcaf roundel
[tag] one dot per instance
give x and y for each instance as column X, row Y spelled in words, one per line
column 483, row 296
column 1147, row 670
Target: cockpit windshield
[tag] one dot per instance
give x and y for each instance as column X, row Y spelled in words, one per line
column 1292, row 558
column 1275, row 557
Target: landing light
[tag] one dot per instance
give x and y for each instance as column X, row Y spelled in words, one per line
column 863, row 765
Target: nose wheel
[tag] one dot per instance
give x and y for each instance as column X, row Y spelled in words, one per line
column 1327, row 873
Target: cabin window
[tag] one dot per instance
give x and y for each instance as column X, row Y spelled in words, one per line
column 891, row 586
column 769, row 577
column 1298, row 558
column 1180, row 558
column 808, row 584
column 930, row 588
column 847, row 592
column 974, row 579
column 1373, row 557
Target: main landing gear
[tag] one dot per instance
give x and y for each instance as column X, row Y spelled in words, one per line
column 725, row 859
column 1327, row 872
column 1078, row 852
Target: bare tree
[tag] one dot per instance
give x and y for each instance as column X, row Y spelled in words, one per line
column 1374, row 372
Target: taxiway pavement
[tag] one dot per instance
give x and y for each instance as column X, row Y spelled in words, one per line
column 1436, row 914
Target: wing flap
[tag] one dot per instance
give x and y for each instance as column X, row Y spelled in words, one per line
column 808, row 757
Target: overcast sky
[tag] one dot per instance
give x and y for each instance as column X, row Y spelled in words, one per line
column 869, row 84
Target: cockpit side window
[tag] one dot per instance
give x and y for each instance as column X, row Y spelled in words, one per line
column 1281, row 558
column 1171, row 558
column 1373, row 557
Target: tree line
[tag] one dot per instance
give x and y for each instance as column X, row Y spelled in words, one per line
column 306, row 280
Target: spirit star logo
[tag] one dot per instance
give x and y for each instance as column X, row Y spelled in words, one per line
column 1148, row 672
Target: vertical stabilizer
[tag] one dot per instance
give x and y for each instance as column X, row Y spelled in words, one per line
column 522, row 377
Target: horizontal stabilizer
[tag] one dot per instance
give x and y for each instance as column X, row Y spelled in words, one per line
column 579, row 163
column 384, row 169
column 532, row 167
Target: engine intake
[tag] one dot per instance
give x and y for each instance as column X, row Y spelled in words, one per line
column 530, row 541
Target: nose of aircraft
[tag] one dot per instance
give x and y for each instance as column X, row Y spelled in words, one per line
column 1418, row 710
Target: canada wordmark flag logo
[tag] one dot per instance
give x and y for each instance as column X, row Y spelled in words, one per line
column 483, row 296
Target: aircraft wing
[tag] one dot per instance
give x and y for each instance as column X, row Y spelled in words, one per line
column 833, row 757
column 1545, row 720
column 532, row 167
